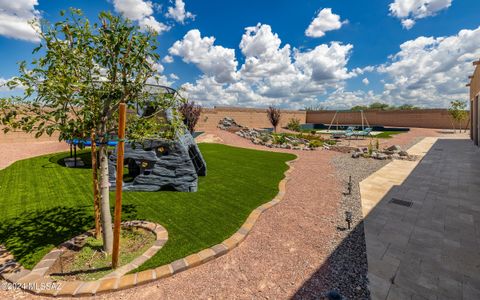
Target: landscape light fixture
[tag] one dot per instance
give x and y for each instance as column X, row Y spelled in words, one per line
column 349, row 185
column 348, row 218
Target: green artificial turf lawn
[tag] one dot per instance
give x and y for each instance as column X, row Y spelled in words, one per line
column 43, row 204
column 387, row 134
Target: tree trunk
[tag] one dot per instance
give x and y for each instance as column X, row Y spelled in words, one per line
column 106, row 216
column 96, row 196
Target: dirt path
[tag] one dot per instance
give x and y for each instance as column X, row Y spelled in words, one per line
column 18, row 145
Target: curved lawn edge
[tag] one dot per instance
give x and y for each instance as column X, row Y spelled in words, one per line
column 47, row 287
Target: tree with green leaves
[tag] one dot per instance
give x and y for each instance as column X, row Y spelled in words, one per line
column 379, row 106
column 75, row 87
column 458, row 112
column 407, row 107
column 359, row 108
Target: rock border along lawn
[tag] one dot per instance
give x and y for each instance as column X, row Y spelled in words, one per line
column 34, row 281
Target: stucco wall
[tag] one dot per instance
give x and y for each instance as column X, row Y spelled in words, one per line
column 474, row 105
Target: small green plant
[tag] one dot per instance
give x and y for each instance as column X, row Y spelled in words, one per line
column 313, row 132
column 370, row 148
column 330, row 142
column 377, row 144
column 315, row 144
column 265, row 138
column 279, row 139
column 294, row 124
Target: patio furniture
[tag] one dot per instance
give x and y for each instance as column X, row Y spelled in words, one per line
column 363, row 133
column 343, row 133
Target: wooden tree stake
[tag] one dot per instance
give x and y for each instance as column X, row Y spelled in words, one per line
column 119, row 185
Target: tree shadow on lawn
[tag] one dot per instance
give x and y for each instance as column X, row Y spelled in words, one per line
column 57, row 159
column 32, row 234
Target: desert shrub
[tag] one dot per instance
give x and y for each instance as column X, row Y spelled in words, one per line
column 330, row 142
column 264, row 138
column 294, row 124
column 279, row 139
column 315, row 144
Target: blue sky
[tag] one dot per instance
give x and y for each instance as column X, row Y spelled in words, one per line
column 357, row 52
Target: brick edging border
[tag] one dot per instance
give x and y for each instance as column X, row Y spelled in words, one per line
column 23, row 279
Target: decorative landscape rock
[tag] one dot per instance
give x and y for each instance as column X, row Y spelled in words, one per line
column 157, row 164
column 229, row 124
column 392, row 152
column 264, row 137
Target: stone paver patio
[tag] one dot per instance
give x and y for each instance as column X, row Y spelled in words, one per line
column 429, row 250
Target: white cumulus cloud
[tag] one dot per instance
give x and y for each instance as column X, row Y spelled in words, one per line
column 141, row 11
column 211, row 59
column 168, row 59
column 366, row 81
column 152, row 24
column 272, row 73
column 410, row 10
column 19, row 19
column 426, row 72
column 432, row 70
column 178, row 12
column 325, row 21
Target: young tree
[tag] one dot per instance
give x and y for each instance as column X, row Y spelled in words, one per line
column 76, row 86
column 191, row 113
column 274, row 117
column 458, row 112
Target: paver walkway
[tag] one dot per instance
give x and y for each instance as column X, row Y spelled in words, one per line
column 431, row 249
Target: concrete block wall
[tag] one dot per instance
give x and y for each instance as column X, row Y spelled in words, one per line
column 250, row 117
column 424, row 118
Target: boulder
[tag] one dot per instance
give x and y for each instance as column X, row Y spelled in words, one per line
column 381, row 156
column 395, row 148
column 361, row 150
column 403, row 153
column 159, row 163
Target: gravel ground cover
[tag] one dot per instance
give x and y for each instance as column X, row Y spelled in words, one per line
column 349, row 260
